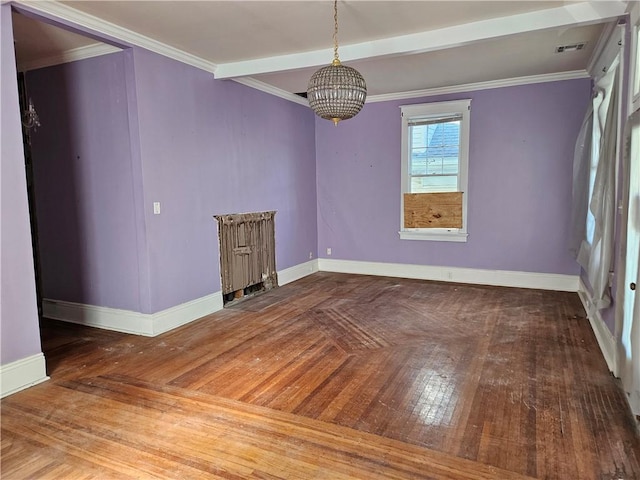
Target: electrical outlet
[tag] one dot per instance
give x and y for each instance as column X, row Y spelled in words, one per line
column 310, row 255
column 328, row 250
column 156, row 208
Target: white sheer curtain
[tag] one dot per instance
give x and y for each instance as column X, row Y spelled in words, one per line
column 580, row 191
column 595, row 254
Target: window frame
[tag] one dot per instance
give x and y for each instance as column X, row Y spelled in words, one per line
column 634, row 83
column 436, row 110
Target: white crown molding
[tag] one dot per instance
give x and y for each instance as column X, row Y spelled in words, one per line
column 429, row 92
column 501, row 278
column 270, row 89
column 54, row 9
column 605, row 338
column 574, row 14
column 470, row 87
column 80, row 53
column 21, row 374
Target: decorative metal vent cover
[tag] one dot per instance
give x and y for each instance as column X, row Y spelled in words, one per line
column 247, row 252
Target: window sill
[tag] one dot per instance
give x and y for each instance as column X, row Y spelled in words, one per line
column 442, row 236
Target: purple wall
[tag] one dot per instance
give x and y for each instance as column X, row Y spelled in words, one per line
column 83, row 183
column 212, row 147
column 168, row 132
column 520, row 173
column 122, row 131
column 18, row 311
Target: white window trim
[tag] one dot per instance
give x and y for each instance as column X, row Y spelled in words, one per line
column 427, row 110
column 634, row 79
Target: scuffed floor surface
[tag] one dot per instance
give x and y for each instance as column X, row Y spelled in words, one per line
column 333, row 377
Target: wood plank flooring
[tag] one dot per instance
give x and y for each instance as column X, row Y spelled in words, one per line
column 332, row 377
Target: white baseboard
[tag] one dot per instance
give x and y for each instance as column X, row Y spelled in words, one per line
column 606, row 340
column 125, row 321
column 128, row 321
column 21, row 374
column 502, row 278
column 297, row 272
column 150, row 325
column 179, row 315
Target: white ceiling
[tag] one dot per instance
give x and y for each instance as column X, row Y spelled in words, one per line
column 398, row 46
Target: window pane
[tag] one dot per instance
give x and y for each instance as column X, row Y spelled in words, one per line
column 447, row 183
column 418, row 161
column 435, row 150
column 443, row 138
column 418, row 150
column 636, row 89
column 440, row 166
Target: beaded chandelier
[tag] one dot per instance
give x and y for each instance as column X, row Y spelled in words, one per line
column 336, row 92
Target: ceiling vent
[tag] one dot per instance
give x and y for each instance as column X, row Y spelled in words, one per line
column 570, row 48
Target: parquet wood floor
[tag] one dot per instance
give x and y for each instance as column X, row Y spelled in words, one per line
column 333, row 377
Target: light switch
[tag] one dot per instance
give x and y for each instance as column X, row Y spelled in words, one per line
column 156, row 208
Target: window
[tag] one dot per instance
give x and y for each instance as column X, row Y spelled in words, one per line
column 435, row 151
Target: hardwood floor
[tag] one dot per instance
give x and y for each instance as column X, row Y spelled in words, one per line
column 333, row 377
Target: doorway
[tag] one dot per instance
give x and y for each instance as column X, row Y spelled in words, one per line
column 30, row 122
column 57, row 159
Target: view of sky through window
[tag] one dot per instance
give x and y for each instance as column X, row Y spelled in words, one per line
column 435, row 148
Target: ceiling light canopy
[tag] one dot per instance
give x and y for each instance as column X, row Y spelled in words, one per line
column 336, row 92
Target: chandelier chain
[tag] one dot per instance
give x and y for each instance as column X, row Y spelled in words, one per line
column 335, row 31
column 336, row 92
